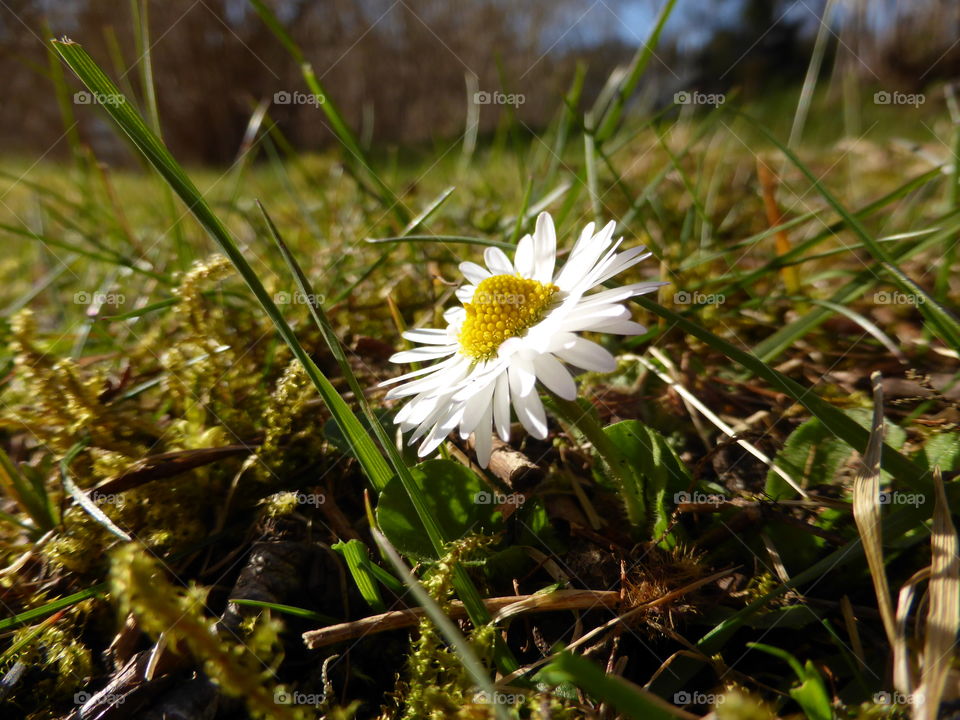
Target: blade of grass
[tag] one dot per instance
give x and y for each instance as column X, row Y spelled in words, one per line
column 162, row 161
column 866, row 511
column 629, row 699
column 465, row 588
column 943, row 616
column 340, row 127
column 944, row 324
column 610, row 118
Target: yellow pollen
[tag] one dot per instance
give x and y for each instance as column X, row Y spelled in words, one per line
column 503, row 306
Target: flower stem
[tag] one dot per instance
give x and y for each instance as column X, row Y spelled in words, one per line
column 578, row 413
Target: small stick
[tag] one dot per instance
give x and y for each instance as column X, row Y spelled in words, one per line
column 501, row 607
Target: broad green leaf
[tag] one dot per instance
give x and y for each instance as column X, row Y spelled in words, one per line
column 629, row 699
column 656, row 466
column 813, row 455
column 459, row 501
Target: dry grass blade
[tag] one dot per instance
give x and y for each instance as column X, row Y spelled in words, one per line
column 902, row 679
column 504, row 607
column 943, row 617
column 866, row 510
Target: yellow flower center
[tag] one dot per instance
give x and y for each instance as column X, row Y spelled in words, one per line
column 503, row 306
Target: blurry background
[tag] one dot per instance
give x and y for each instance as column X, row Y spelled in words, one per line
column 405, row 71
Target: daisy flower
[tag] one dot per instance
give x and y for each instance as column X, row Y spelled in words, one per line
column 517, row 326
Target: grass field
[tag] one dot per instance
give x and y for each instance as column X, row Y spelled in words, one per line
column 205, row 507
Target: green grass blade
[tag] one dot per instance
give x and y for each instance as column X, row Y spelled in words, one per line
column 944, row 324
column 611, row 116
column 836, row 421
column 159, row 157
column 629, row 699
column 340, row 127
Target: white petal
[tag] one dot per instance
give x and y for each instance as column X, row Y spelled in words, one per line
column 544, row 248
column 529, row 409
column 475, row 408
column 585, row 354
column 521, row 366
column 456, row 315
column 555, row 376
column 423, row 353
column 621, row 327
column 473, row 272
column 497, row 261
column 483, row 438
column 417, row 373
column 428, row 336
column 501, row 407
column 626, row 259
column 438, row 434
column 619, row 294
column 465, row 293
column 523, row 258
column 584, row 257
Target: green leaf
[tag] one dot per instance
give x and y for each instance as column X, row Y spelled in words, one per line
column 458, row 500
column 813, row 455
column 358, row 560
column 630, row 700
column 811, row 694
column 656, row 466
